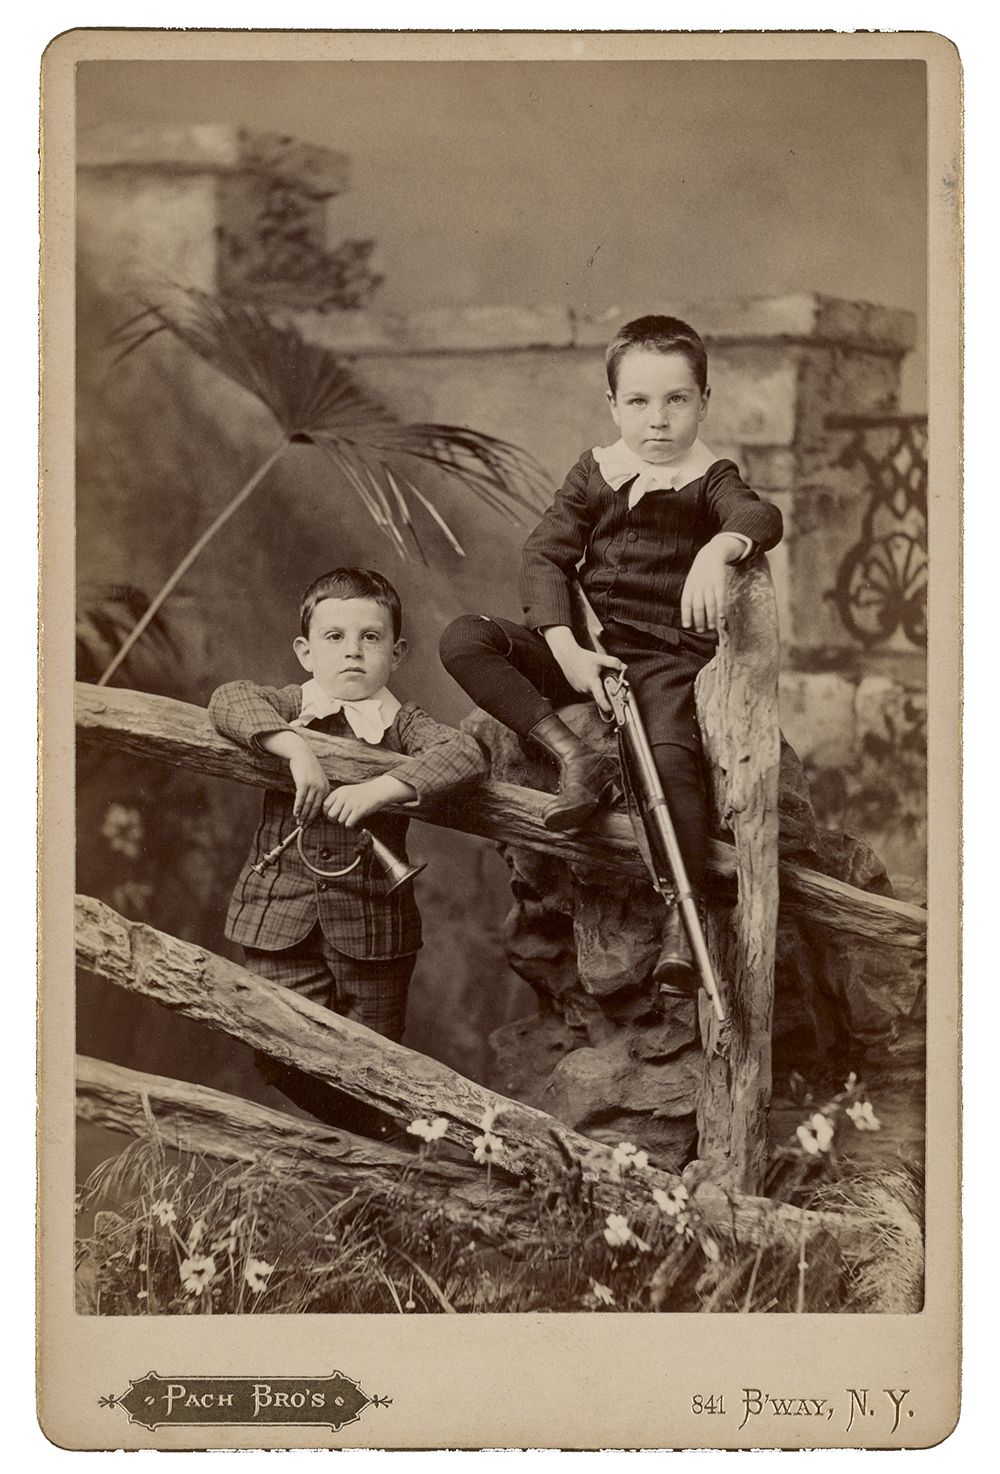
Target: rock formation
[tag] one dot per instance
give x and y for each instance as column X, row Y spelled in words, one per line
column 604, row 1053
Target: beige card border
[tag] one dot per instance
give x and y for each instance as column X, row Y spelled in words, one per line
column 512, row 1381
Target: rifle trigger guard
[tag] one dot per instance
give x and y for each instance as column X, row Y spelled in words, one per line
column 616, row 688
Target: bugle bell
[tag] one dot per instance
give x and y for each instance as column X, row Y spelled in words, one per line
column 397, row 871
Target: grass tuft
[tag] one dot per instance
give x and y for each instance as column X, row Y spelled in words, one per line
column 176, row 1234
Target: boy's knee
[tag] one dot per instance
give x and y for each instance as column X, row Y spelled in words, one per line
column 676, row 763
column 467, row 635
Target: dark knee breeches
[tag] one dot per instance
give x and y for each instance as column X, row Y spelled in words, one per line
column 680, row 773
column 509, row 671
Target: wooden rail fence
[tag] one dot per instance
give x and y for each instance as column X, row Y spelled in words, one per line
column 396, row 1080
column 737, row 698
column 177, row 733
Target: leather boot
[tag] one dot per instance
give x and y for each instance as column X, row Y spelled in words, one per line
column 586, row 777
column 675, row 972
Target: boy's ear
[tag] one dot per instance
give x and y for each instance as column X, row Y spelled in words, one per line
column 301, row 647
column 613, row 407
column 706, row 396
column 398, row 651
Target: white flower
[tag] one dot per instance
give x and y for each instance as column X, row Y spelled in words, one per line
column 710, row 1249
column 197, row 1273
column 626, row 1155
column 257, row 1274
column 122, row 828
column 490, row 1115
column 411, row 1305
column 807, row 1140
column 428, row 1130
column 675, row 1203
column 226, row 1243
column 600, row 1294
column 672, row 1202
column 163, row 1210
column 816, row 1134
column 863, row 1116
column 823, row 1128
column 132, row 898
column 485, row 1147
column 143, row 1295
column 851, row 1081
column 617, row 1231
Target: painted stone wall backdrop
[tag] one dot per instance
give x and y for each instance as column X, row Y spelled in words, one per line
column 798, row 383
column 164, row 442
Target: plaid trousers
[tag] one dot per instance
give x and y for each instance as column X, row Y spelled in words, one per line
column 371, row 992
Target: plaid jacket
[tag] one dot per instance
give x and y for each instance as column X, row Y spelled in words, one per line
column 635, row 562
column 277, row 909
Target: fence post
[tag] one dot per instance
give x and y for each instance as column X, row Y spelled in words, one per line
column 737, row 698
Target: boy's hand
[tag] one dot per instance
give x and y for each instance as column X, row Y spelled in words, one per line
column 354, row 802
column 311, row 784
column 583, row 670
column 703, row 598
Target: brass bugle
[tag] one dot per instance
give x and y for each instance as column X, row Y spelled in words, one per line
column 397, row 871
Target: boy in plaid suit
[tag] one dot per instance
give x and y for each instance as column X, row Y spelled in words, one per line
column 345, row 943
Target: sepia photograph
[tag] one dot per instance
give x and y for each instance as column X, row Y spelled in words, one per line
column 488, row 528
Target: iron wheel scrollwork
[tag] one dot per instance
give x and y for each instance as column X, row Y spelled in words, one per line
column 881, row 584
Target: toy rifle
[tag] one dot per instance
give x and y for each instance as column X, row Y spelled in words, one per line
column 647, row 802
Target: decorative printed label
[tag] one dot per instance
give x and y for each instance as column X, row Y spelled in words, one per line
column 170, row 1402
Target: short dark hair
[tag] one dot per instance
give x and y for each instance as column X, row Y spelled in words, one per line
column 351, row 583
column 660, row 335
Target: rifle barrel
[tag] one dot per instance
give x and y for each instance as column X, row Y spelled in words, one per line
column 669, row 867
column 662, row 836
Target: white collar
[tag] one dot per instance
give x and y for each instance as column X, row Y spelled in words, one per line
column 618, row 464
column 368, row 719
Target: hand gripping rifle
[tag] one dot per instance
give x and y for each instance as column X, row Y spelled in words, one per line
column 647, row 802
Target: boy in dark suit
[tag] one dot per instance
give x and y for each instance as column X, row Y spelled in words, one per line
column 647, row 525
column 345, row 942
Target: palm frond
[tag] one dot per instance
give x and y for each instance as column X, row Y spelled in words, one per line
column 192, row 554
column 314, row 397
column 105, row 615
column 404, row 515
column 433, row 511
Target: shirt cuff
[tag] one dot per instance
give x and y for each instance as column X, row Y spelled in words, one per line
column 748, row 550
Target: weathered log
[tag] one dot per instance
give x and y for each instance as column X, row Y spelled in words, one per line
column 197, row 1119
column 737, row 700
column 180, row 734
column 402, row 1083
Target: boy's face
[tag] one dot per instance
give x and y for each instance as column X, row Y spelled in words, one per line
column 658, row 405
column 350, row 649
